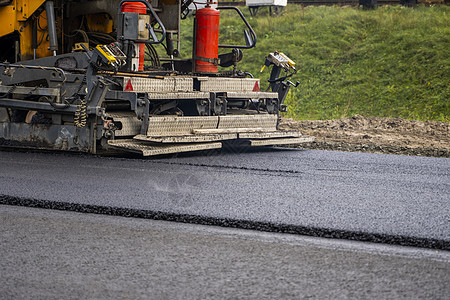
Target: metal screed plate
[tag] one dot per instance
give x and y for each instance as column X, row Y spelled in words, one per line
column 268, row 122
column 131, row 125
column 282, row 141
column 147, row 149
column 211, row 84
column 150, row 148
column 193, row 138
column 166, row 84
column 172, row 134
column 171, row 126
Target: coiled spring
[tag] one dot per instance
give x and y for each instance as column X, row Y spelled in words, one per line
column 80, row 117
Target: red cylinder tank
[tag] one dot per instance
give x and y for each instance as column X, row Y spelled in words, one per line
column 207, row 40
column 139, row 8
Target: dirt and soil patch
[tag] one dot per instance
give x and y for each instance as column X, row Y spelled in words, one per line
column 375, row 134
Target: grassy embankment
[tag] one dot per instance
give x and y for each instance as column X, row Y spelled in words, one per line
column 389, row 62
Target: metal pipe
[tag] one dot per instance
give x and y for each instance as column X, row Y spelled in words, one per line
column 59, row 70
column 51, row 22
column 34, row 43
column 250, row 36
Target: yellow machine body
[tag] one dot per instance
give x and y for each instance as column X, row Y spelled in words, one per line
column 17, row 17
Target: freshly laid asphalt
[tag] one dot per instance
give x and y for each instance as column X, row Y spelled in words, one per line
column 369, row 197
column 49, row 254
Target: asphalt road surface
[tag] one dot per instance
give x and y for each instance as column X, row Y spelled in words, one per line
column 49, row 254
column 368, row 197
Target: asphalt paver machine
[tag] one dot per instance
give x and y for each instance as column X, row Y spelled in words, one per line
column 99, row 76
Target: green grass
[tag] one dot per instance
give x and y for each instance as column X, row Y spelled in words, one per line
column 389, row 62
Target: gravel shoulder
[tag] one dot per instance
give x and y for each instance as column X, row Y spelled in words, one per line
column 375, row 134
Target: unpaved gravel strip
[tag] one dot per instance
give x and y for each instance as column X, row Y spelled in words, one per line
column 376, row 135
